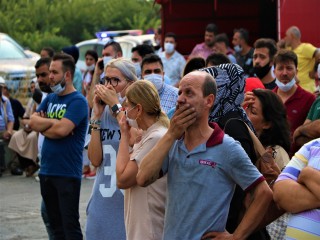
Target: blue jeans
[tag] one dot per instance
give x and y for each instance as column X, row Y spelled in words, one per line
column 61, row 198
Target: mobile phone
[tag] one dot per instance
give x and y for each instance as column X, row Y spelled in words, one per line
column 101, row 65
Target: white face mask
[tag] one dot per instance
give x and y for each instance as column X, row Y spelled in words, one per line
column 169, row 47
column 138, row 69
column 238, row 48
column 59, row 87
column 91, row 67
column 156, row 79
column 106, row 60
column 132, row 122
column 286, row 87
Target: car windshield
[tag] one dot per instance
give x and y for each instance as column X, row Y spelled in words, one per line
column 9, row 51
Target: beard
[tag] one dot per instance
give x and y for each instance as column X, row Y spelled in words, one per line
column 45, row 87
column 261, row 72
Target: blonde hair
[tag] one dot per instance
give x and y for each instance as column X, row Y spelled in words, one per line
column 143, row 92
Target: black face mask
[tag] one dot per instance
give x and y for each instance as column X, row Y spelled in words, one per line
column 261, row 72
column 45, row 87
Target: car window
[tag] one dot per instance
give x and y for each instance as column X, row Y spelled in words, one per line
column 10, row 51
column 99, row 49
column 83, row 49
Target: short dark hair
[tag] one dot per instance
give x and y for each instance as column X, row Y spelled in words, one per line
column 49, row 50
column 244, row 34
column 172, row 35
column 194, row 64
column 151, row 58
column 143, row 50
column 93, row 54
column 67, row 62
column 43, row 61
column 217, row 59
column 222, row 37
column 209, row 86
column 211, row 27
column 268, row 43
column 284, row 56
column 115, row 45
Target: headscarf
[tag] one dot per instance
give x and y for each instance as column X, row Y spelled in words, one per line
column 230, row 95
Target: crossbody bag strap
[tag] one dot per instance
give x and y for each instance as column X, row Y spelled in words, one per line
column 256, row 142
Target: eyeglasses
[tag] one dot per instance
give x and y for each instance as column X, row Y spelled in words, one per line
column 112, row 80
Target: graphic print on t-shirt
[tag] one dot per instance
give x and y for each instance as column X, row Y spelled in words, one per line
column 56, row 110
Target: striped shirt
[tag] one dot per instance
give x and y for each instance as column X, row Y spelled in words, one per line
column 303, row 225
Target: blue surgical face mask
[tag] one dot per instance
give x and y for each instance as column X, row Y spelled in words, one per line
column 59, row 87
column 106, row 60
column 156, row 79
column 138, row 69
column 238, row 48
column 286, row 87
column 169, row 47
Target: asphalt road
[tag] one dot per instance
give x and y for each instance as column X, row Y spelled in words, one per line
column 20, row 200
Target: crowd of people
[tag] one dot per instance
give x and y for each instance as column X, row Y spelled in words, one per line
column 168, row 139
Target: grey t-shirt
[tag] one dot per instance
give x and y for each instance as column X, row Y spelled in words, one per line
column 105, row 211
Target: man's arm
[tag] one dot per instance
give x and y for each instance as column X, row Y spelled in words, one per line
column 151, row 164
column 294, row 197
column 51, row 128
column 59, row 128
column 39, row 123
column 307, row 132
column 310, row 177
column 8, row 133
column 317, row 55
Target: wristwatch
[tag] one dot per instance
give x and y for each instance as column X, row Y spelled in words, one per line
column 116, row 108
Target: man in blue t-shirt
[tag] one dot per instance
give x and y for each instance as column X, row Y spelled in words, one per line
column 62, row 118
column 203, row 166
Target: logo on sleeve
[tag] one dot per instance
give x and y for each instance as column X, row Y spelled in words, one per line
column 207, row 163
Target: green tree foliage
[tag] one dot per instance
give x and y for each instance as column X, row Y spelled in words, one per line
column 57, row 23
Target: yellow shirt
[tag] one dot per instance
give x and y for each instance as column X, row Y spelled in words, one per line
column 305, row 53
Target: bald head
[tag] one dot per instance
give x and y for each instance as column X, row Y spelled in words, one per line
column 295, row 32
column 207, row 81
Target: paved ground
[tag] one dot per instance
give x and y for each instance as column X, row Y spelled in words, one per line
column 20, row 208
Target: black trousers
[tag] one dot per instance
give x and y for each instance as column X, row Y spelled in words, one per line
column 61, row 196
